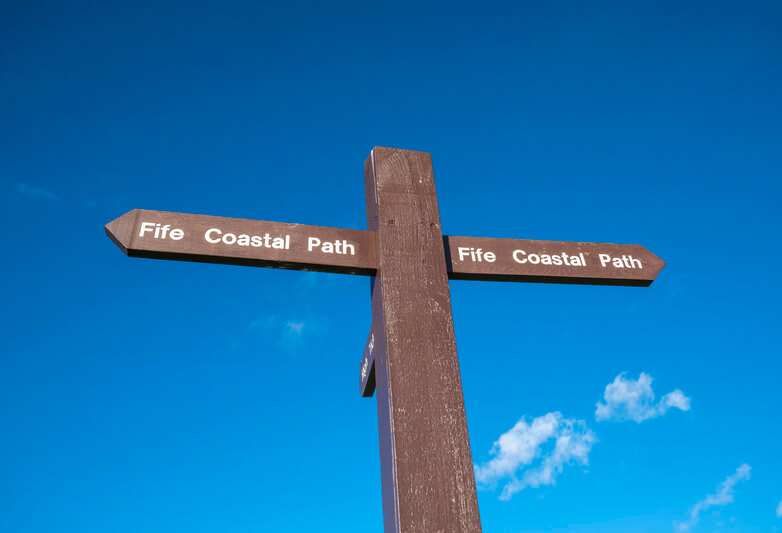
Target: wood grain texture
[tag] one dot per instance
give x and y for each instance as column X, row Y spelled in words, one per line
column 426, row 466
column 543, row 262
column 126, row 232
column 410, row 358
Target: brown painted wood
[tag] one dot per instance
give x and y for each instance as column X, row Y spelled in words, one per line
column 426, row 468
column 466, row 257
column 352, row 251
column 489, row 259
column 410, row 357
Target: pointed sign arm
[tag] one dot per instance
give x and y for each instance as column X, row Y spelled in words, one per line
column 589, row 263
column 366, row 385
column 236, row 241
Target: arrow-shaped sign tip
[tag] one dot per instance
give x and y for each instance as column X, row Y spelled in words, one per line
column 657, row 265
column 119, row 230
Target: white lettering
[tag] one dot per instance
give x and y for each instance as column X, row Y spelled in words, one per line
column 216, row 236
column 626, row 261
column 145, row 227
column 521, row 256
column 160, row 231
column 212, row 230
column 342, row 247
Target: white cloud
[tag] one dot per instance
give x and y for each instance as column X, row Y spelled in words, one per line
column 291, row 334
column 524, row 443
column 779, row 510
column 34, row 191
column 295, row 327
column 723, row 496
column 626, row 399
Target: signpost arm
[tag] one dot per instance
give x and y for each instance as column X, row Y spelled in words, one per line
column 366, row 384
column 428, row 482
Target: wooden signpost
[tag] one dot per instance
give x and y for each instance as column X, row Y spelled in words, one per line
column 410, row 356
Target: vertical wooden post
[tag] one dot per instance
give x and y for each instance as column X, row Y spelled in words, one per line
column 427, row 475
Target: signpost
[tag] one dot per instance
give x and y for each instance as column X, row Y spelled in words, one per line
column 410, row 356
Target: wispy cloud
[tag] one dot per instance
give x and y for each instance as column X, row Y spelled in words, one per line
column 779, row 510
column 34, row 191
column 295, row 328
column 722, row 497
column 524, row 444
column 627, row 399
column 287, row 333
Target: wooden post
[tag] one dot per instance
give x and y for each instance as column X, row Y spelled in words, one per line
column 410, row 356
column 427, row 474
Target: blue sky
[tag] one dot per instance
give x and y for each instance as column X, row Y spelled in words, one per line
column 142, row 395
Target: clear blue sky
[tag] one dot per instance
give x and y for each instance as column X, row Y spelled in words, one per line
column 156, row 396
